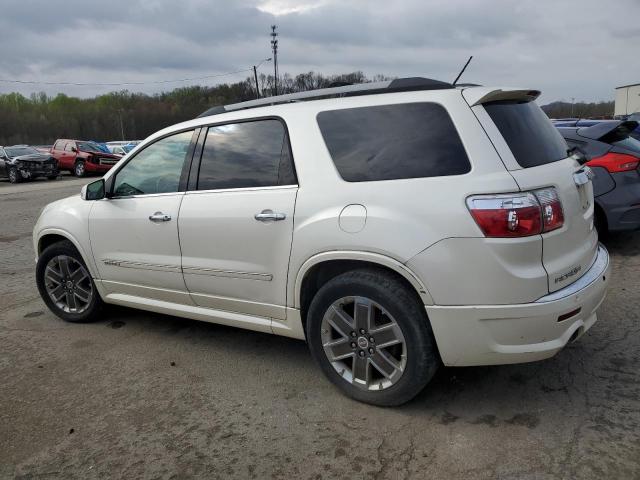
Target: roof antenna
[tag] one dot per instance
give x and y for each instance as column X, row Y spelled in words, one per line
column 462, row 71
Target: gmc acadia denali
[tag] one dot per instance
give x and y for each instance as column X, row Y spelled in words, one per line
column 394, row 226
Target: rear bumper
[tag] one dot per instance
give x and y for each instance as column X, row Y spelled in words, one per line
column 501, row 334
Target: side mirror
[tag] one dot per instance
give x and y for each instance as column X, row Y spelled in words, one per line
column 74, row 149
column 93, row 191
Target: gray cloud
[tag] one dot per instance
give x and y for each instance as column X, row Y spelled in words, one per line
column 567, row 49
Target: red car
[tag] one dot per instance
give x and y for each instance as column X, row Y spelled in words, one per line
column 82, row 157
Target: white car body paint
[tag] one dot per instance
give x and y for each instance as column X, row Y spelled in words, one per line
column 214, row 262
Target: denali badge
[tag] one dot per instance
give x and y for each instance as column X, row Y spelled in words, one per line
column 570, row 273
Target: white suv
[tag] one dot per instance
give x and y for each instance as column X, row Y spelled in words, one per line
column 394, row 226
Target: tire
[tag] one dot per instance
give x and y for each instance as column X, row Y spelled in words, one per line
column 393, row 302
column 79, row 170
column 52, row 177
column 85, row 311
column 14, row 176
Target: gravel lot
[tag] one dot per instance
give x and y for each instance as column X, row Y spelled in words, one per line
column 140, row 395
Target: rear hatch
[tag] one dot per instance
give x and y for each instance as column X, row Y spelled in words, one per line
column 537, row 157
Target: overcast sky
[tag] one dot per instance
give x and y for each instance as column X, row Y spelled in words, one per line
column 581, row 49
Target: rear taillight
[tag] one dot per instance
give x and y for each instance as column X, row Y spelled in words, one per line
column 551, row 208
column 517, row 214
column 615, row 162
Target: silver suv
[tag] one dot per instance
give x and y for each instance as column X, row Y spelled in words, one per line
column 394, row 226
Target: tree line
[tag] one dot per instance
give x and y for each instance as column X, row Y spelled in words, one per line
column 40, row 119
column 579, row 110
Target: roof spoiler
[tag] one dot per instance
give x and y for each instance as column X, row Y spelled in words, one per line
column 609, row 130
column 478, row 96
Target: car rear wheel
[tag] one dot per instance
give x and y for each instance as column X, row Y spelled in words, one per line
column 65, row 284
column 371, row 337
column 14, row 176
column 78, row 169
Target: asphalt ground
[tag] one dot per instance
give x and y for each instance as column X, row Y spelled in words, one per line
column 142, row 395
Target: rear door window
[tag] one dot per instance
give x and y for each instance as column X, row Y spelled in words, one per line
column 530, row 135
column 245, row 155
column 388, row 142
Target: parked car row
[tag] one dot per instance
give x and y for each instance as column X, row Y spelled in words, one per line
column 23, row 162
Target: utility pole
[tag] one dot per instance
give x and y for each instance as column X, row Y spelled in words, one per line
column 573, row 100
column 274, row 48
column 255, row 75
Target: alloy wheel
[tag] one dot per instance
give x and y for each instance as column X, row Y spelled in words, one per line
column 68, row 284
column 363, row 343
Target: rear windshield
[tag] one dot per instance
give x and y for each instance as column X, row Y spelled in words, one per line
column 389, row 142
column 629, row 143
column 531, row 136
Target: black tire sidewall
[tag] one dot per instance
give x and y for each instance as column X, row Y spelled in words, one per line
column 422, row 356
column 66, row 248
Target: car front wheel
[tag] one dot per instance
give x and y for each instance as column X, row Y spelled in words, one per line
column 371, row 337
column 79, row 170
column 65, row 284
column 14, row 176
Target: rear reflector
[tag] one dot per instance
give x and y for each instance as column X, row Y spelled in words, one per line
column 572, row 313
column 615, row 162
column 510, row 215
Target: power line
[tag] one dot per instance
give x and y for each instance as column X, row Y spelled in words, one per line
column 99, row 84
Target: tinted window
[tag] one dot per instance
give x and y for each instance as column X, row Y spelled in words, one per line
column 629, row 143
column 531, row 136
column 393, row 141
column 249, row 154
column 156, row 169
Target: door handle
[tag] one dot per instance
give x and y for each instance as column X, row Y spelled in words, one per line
column 269, row 216
column 159, row 217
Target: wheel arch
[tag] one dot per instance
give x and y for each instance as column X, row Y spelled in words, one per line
column 50, row 236
column 320, row 268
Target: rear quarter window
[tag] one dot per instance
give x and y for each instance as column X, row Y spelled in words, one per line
column 391, row 142
column 530, row 135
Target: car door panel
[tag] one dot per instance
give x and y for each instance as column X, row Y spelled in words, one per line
column 135, row 255
column 230, row 260
column 134, row 233
column 236, row 220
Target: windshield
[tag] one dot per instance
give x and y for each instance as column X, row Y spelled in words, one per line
column 531, row 137
column 13, row 152
column 89, row 147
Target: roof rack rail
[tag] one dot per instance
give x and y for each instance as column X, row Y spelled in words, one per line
column 388, row 86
